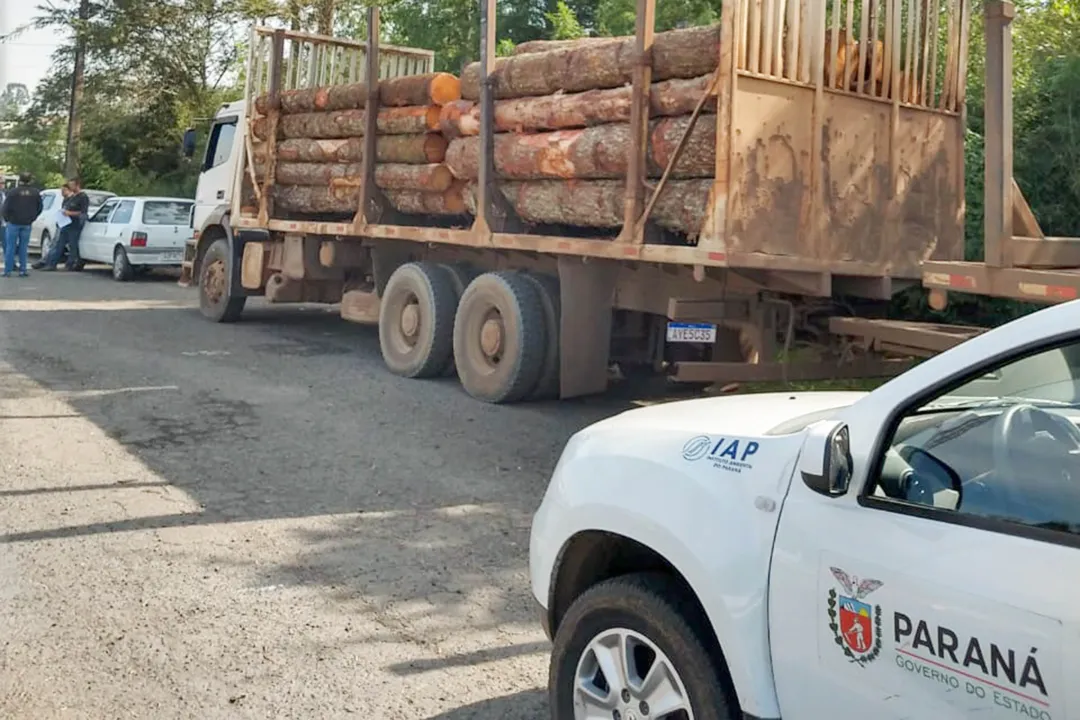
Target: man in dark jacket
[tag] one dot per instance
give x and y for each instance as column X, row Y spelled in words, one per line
column 76, row 207
column 21, row 207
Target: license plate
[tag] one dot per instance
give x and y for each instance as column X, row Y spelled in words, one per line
column 172, row 256
column 691, row 332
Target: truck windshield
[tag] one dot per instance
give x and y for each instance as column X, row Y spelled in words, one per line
column 166, row 212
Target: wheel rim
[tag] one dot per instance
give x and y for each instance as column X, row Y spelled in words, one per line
column 214, row 281
column 622, row 675
column 489, row 342
column 491, row 337
column 410, row 320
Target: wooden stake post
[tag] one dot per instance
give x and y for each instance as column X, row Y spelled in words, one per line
column 997, row 193
column 645, row 27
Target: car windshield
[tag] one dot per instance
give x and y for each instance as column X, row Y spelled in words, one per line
column 47, row 200
column 166, row 212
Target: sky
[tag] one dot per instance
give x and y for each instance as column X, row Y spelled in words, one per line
column 26, row 59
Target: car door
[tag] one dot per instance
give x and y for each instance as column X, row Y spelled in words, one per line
column 944, row 583
column 92, row 237
column 118, row 230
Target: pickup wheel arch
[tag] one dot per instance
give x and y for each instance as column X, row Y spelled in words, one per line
column 593, row 556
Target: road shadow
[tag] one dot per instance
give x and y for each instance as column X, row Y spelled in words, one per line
column 416, row 499
column 526, row 705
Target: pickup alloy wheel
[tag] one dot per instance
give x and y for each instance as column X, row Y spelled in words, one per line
column 630, row 648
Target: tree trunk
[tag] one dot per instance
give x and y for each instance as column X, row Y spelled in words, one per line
column 393, row 176
column 350, row 123
column 450, row 202
column 431, row 89
column 324, row 17
column 592, row 107
column 538, row 46
column 676, row 54
column 599, row 203
column 418, row 149
column 592, row 153
column 314, row 200
column 78, row 85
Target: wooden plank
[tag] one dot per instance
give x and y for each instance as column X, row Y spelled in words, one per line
column 1045, row 252
column 784, row 372
column 1029, row 284
column 1024, row 222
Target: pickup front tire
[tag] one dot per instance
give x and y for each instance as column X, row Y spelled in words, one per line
column 647, row 620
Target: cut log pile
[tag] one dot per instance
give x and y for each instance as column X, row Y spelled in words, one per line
column 562, row 145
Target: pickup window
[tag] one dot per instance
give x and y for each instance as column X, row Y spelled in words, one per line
column 1002, row 446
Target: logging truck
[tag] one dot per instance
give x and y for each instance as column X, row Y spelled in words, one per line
column 734, row 202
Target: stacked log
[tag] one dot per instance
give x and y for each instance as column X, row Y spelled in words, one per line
column 563, row 139
column 562, row 144
column 319, row 147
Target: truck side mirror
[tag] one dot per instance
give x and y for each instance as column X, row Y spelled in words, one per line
column 189, row 143
column 825, row 461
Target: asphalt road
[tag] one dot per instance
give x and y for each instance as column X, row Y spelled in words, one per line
column 256, row 520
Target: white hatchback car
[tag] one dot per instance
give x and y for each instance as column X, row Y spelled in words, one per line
column 132, row 233
column 43, row 231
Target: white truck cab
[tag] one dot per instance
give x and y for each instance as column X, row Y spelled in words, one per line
column 213, row 194
column 912, row 552
column 211, row 256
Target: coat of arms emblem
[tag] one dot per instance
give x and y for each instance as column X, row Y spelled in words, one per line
column 856, row 624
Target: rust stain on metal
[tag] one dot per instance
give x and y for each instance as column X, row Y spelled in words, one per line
column 768, row 209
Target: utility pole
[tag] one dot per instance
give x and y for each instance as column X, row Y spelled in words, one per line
column 78, row 80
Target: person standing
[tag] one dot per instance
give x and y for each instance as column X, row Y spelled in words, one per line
column 21, row 207
column 76, row 207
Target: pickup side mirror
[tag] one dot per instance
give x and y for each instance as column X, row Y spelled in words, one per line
column 188, row 145
column 825, row 461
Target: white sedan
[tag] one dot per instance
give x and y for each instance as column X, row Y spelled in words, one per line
column 43, row 231
column 132, row 233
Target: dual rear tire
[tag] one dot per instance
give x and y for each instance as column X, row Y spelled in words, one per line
column 497, row 330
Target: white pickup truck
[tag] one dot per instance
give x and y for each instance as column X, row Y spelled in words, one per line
column 913, row 552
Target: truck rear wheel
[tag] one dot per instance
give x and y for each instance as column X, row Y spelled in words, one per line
column 461, row 274
column 214, row 300
column 547, row 387
column 499, row 337
column 416, row 320
column 632, row 644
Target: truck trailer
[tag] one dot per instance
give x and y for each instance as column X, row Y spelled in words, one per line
column 736, row 202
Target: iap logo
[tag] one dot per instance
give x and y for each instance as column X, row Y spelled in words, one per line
column 857, row 626
column 696, row 448
column 732, row 454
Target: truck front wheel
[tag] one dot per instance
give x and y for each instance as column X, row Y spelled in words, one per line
column 214, row 300
column 630, row 647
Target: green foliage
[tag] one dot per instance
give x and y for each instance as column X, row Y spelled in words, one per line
column 564, row 23
column 156, row 67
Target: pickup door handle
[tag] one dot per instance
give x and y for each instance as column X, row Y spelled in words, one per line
column 220, row 194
